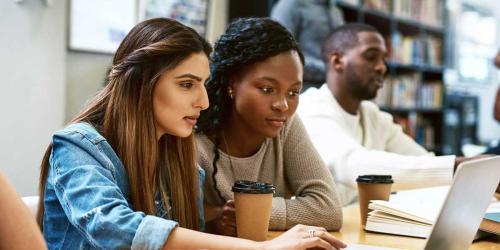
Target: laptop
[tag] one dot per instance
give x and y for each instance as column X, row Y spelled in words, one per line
column 463, row 209
column 470, row 194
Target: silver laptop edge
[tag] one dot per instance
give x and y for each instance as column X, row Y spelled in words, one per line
column 466, row 202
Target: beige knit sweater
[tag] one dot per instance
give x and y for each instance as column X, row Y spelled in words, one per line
column 291, row 163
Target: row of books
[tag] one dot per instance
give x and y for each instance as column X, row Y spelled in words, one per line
column 419, row 50
column 380, row 5
column 419, row 128
column 408, row 91
column 429, row 12
column 353, row 2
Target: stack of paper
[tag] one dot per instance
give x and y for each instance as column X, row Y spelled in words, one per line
column 410, row 213
column 413, row 212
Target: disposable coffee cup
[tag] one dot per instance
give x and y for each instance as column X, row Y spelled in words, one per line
column 253, row 201
column 372, row 187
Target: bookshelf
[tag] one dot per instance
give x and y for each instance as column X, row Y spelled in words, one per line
column 414, row 91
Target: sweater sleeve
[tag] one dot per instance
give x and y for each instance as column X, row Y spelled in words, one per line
column 346, row 158
column 316, row 201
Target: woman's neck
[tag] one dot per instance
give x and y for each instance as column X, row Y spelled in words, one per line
column 241, row 140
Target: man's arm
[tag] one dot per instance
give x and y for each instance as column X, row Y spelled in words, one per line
column 346, row 158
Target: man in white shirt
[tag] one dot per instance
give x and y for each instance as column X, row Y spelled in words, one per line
column 350, row 133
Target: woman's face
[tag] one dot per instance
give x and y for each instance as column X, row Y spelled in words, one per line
column 180, row 95
column 266, row 94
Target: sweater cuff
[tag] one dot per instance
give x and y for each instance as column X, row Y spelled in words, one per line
column 152, row 233
column 442, row 168
column 278, row 214
column 446, row 162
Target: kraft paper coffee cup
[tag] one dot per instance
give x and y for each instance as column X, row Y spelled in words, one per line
column 253, row 201
column 372, row 187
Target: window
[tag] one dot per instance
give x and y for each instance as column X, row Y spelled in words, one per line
column 476, row 45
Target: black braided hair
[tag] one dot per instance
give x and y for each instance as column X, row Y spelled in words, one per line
column 245, row 42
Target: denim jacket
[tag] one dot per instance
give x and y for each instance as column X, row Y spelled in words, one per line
column 87, row 198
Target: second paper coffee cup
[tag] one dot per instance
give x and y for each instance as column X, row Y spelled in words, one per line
column 253, row 201
column 372, row 187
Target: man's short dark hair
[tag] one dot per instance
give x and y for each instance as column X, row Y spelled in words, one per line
column 345, row 37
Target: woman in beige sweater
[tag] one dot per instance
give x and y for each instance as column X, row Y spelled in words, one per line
column 249, row 132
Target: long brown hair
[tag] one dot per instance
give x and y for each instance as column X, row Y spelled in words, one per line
column 123, row 113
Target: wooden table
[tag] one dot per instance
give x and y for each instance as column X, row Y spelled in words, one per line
column 351, row 232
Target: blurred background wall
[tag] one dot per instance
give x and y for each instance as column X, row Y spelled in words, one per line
column 32, row 95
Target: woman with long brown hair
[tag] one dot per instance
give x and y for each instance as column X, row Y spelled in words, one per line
column 123, row 173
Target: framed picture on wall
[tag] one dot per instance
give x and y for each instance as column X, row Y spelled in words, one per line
column 100, row 25
column 193, row 13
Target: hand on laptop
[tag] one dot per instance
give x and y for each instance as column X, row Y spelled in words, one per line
column 305, row 237
column 460, row 159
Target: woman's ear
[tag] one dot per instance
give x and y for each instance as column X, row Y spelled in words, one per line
column 231, row 86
